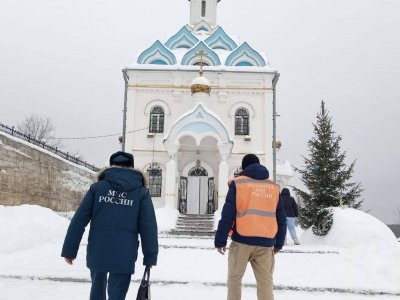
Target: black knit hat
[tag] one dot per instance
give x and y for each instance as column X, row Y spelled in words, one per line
column 249, row 159
column 121, row 159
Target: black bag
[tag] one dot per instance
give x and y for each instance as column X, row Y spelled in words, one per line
column 144, row 288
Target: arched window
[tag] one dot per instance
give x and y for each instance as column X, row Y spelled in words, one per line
column 155, row 180
column 198, row 170
column 203, row 8
column 156, row 120
column 242, row 122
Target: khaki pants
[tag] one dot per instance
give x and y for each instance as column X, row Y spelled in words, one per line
column 262, row 261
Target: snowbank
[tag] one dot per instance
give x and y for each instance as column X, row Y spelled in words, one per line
column 352, row 228
column 166, row 218
column 28, row 226
column 369, row 245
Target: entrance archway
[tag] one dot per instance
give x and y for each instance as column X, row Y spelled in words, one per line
column 197, row 134
column 197, row 188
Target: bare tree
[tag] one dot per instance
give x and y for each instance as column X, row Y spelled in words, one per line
column 40, row 128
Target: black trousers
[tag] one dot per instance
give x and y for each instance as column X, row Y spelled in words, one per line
column 117, row 285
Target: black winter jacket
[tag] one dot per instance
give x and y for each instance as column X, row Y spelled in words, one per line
column 289, row 204
column 119, row 208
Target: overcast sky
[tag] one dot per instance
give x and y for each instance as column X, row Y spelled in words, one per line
column 63, row 59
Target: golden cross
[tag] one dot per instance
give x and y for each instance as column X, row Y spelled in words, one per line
column 201, row 53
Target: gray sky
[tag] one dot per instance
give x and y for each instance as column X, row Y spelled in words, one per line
column 63, row 59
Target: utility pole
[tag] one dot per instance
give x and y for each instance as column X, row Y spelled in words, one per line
column 274, row 82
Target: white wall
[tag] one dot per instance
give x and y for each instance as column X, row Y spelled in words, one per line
column 171, row 89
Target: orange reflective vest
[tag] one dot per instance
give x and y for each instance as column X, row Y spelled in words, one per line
column 256, row 202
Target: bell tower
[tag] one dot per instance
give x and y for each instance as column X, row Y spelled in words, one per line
column 203, row 10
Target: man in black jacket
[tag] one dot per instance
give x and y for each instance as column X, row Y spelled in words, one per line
column 292, row 213
column 119, row 208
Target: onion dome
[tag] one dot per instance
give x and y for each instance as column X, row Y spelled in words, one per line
column 201, row 85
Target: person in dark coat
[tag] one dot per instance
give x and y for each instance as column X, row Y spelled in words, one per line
column 254, row 248
column 291, row 213
column 119, row 209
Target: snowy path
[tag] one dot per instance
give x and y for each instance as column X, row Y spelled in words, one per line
column 12, row 289
column 163, row 283
column 193, row 267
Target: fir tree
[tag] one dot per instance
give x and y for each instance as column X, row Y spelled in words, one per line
column 326, row 176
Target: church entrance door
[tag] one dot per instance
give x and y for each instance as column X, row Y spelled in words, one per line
column 197, row 190
column 197, row 196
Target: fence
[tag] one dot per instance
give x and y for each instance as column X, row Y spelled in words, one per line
column 29, row 139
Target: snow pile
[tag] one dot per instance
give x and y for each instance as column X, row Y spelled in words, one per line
column 28, row 226
column 352, row 228
column 166, row 218
column 369, row 245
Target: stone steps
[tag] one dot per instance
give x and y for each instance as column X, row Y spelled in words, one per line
column 195, row 225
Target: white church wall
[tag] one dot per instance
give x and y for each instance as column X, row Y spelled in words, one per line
column 251, row 101
column 143, row 159
column 229, row 92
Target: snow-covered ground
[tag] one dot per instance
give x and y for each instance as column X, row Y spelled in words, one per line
column 363, row 264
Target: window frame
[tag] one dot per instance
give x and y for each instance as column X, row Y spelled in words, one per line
column 157, row 119
column 242, row 115
column 155, row 180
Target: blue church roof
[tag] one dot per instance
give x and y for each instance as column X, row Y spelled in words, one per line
column 220, row 40
column 192, row 56
column 245, row 56
column 182, row 39
column 157, row 54
column 221, row 50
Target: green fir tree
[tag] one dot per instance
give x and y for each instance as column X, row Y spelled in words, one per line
column 326, row 176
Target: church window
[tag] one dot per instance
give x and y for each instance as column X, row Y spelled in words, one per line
column 155, row 180
column 156, row 120
column 203, row 8
column 198, row 170
column 242, row 122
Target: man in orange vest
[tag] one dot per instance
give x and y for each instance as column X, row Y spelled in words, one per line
column 254, row 217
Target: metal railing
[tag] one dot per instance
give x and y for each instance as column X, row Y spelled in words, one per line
column 29, row 139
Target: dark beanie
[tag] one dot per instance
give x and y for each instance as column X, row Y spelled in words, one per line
column 121, row 159
column 249, row 159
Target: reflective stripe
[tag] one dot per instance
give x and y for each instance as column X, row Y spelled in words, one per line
column 256, row 212
column 246, row 180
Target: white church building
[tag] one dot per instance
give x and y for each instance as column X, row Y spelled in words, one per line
column 190, row 132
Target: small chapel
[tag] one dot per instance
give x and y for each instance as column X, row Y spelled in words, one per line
column 195, row 104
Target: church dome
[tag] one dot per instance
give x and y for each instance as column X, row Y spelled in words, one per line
column 220, row 51
column 201, row 85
